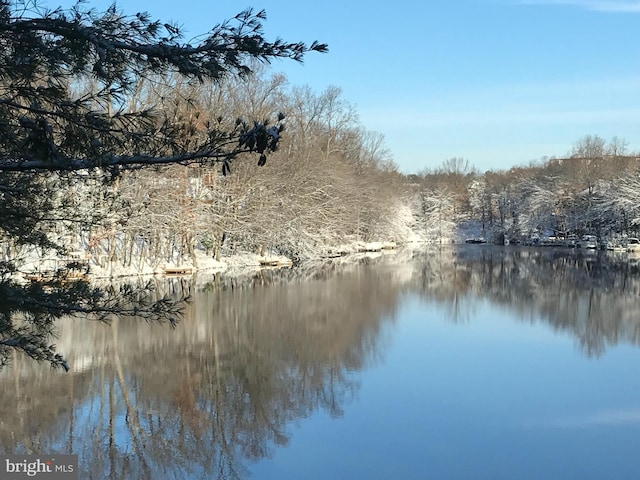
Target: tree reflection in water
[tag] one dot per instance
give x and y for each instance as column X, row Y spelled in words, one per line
column 251, row 357
column 254, row 355
column 594, row 296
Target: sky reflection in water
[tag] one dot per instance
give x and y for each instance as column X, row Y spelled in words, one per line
column 488, row 398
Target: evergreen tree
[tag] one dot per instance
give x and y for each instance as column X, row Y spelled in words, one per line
column 53, row 132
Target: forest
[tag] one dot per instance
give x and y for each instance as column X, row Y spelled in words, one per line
column 330, row 186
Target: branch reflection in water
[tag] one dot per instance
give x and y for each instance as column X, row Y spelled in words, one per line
column 255, row 354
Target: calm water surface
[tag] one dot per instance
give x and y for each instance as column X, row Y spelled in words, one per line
column 472, row 363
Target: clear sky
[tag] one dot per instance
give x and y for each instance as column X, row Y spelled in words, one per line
column 499, row 82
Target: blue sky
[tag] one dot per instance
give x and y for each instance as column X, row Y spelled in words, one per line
column 499, row 82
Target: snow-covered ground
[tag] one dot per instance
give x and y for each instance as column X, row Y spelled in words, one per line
column 33, row 262
column 109, row 260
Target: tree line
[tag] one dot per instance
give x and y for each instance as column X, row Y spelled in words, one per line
column 591, row 190
column 328, row 182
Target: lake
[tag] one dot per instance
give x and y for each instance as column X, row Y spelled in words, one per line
column 475, row 362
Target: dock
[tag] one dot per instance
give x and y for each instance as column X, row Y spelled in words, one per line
column 275, row 263
column 174, row 271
